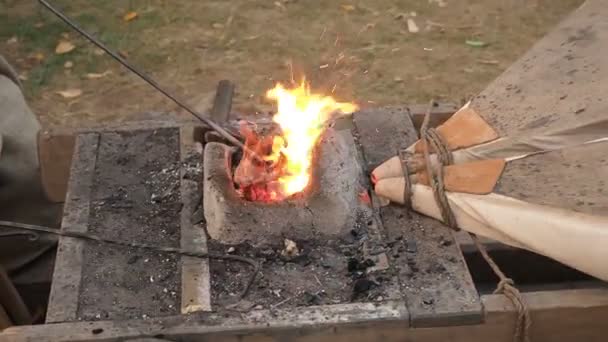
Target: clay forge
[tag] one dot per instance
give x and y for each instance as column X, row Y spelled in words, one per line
column 298, row 179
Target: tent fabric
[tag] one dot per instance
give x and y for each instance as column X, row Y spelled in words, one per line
column 551, row 115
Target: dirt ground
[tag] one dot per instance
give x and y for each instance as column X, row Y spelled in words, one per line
column 362, row 51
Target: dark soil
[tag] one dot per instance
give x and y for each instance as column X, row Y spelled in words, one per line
column 135, row 197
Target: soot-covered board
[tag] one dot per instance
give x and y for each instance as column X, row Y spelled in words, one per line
column 129, row 186
column 434, row 277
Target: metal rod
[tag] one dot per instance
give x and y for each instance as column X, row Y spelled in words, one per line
column 220, row 130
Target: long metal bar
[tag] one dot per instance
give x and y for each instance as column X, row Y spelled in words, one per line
column 220, row 130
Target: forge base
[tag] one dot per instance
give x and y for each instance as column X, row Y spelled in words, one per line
column 330, row 208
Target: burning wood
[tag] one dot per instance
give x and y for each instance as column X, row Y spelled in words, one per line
column 302, row 117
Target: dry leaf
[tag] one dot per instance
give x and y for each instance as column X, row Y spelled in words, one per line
column 279, row 5
column 98, row 52
column 488, row 61
column 217, row 26
column 39, row 56
column 348, row 8
column 411, row 26
column 68, row 64
column 38, row 24
column 70, row 93
column 93, row 76
column 12, row 40
column 64, row 47
column 130, row 16
column 23, row 77
column 323, row 66
column 423, row 78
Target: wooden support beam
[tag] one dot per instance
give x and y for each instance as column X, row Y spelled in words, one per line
column 439, row 114
column 196, row 284
column 65, row 288
column 559, row 316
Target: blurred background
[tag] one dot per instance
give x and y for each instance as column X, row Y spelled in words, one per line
column 375, row 52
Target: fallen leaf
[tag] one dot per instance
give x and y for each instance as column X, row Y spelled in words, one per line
column 348, row 8
column 12, row 40
column 23, row 77
column 64, row 47
column 323, row 66
column 440, row 3
column 92, row 76
column 398, row 79
column 39, row 56
column 38, row 24
column 411, row 26
column 68, row 64
column 123, row 54
column 476, row 43
column 217, row 25
column 70, row 93
column 423, row 78
column 98, row 52
column 488, row 61
column 279, row 5
column 130, row 16
column 65, row 35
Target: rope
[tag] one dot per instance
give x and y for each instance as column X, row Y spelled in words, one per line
column 407, row 189
column 431, row 137
column 505, row 286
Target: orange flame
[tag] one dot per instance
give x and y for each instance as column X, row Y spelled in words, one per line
column 302, row 117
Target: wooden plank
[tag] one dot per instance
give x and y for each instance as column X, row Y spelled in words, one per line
column 434, row 277
column 55, row 152
column 196, row 286
column 439, row 114
column 65, row 288
column 559, row 316
column 135, row 197
column 56, row 147
column 222, row 103
column 382, row 132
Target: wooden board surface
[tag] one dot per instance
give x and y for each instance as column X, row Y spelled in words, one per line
column 383, row 132
column 559, row 316
column 434, row 278
column 63, row 300
column 121, row 193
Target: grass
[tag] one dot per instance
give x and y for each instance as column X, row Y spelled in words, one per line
column 190, row 45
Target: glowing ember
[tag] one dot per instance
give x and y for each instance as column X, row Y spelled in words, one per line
column 302, row 118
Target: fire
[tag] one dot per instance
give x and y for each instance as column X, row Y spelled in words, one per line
column 302, row 117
